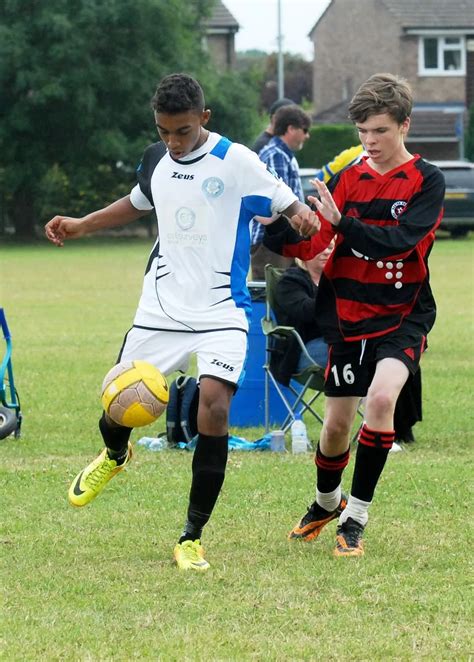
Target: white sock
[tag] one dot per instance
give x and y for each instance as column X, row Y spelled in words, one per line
column 329, row 500
column 357, row 509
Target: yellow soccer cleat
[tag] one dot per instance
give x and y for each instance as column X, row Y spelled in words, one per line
column 92, row 480
column 189, row 555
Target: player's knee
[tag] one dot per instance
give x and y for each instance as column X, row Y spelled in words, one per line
column 380, row 401
column 336, row 430
column 214, row 415
column 219, row 413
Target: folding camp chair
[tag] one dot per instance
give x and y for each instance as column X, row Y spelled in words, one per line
column 305, row 387
column 10, row 413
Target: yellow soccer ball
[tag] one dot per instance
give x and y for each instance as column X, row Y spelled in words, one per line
column 134, row 393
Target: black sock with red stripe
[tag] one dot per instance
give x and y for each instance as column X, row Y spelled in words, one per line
column 372, row 451
column 329, row 470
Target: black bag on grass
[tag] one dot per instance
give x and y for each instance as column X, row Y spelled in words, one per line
column 181, row 412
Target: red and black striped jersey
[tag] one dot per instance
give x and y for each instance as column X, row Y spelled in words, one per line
column 377, row 276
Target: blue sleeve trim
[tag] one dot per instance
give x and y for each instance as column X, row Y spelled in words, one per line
column 241, row 263
column 257, row 205
column 221, row 149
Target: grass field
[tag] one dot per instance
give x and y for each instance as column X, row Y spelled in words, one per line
column 98, row 583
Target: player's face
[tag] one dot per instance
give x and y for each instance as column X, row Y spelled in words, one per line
column 182, row 133
column 383, row 140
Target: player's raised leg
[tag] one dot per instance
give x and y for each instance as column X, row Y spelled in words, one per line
column 134, row 393
column 116, row 455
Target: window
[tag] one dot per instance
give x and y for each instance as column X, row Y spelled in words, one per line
column 442, row 56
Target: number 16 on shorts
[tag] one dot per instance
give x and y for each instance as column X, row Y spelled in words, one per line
column 346, row 374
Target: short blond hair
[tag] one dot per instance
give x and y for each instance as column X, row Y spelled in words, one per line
column 300, row 263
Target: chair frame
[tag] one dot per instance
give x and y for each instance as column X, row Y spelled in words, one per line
column 312, row 378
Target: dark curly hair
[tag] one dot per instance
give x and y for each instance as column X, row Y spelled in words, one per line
column 178, row 93
column 290, row 116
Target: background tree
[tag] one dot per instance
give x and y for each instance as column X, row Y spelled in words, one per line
column 298, row 76
column 76, row 79
column 234, row 99
column 298, row 80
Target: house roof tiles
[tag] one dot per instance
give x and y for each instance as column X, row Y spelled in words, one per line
column 432, row 13
column 424, row 123
column 435, row 14
column 221, row 18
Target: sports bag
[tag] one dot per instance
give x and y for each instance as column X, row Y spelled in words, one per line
column 181, row 412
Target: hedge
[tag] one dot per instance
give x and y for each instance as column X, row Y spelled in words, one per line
column 325, row 142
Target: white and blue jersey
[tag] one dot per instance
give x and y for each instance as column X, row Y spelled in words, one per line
column 196, row 275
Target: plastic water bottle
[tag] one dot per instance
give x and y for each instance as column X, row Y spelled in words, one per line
column 157, row 445
column 152, row 443
column 277, row 441
column 145, row 441
column 299, row 437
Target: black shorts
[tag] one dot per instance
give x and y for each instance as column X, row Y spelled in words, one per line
column 351, row 365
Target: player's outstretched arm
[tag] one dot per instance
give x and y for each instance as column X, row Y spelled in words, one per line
column 303, row 219
column 304, row 236
column 61, row 228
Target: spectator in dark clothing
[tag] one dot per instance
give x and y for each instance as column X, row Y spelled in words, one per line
column 295, row 299
column 268, row 134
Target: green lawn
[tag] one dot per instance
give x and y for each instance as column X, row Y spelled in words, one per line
column 98, row 583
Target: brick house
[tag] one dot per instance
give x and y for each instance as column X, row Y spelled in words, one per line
column 429, row 42
column 219, row 40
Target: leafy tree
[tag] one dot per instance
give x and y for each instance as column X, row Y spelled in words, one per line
column 234, row 101
column 298, row 79
column 298, row 76
column 470, row 135
column 75, row 83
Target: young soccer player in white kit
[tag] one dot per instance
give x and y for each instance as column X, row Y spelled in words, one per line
column 205, row 190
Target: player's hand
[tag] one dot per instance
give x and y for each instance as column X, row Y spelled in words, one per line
column 306, row 222
column 325, row 203
column 266, row 220
column 60, row 228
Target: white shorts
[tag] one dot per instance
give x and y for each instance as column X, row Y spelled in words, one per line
column 220, row 354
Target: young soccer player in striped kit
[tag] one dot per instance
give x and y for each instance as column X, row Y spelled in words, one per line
column 375, row 304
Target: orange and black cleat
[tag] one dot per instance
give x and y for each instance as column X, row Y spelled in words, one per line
column 349, row 539
column 311, row 524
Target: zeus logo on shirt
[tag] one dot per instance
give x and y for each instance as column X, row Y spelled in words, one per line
column 221, row 364
column 179, row 175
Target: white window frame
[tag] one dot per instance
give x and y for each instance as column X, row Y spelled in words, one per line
column 442, row 48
